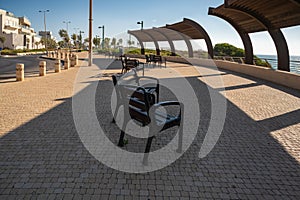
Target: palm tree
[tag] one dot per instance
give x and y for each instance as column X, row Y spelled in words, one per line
column 120, row 42
column 74, row 38
column 64, row 35
column 113, row 42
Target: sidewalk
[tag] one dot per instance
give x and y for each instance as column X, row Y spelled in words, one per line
column 257, row 155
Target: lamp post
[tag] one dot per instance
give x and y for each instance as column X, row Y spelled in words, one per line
column 142, row 24
column 67, row 23
column 102, row 27
column 90, row 33
column 76, row 42
column 45, row 28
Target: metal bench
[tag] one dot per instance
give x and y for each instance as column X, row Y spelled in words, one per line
column 139, row 105
column 150, row 84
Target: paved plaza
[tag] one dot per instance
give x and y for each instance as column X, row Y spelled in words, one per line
column 257, row 155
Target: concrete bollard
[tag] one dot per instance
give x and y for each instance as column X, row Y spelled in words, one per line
column 52, row 54
column 76, row 59
column 73, row 60
column 20, row 72
column 67, row 55
column 67, row 64
column 42, row 68
column 57, row 66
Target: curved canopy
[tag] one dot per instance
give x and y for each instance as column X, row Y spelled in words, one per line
column 185, row 30
column 261, row 15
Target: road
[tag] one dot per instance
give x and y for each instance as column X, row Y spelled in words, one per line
column 31, row 65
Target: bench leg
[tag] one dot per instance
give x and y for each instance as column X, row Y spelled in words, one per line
column 115, row 113
column 121, row 139
column 180, row 135
column 147, row 150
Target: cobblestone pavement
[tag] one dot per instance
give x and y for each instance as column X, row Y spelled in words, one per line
column 256, row 157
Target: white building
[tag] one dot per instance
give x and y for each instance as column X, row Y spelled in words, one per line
column 17, row 32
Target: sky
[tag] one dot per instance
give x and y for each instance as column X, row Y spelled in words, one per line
column 118, row 16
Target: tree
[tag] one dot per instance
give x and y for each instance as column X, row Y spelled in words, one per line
column 96, row 41
column 51, row 43
column 61, row 44
column 130, row 42
column 2, row 39
column 74, row 38
column 37, row 45
column 64, row 35
column 120, row 42
column 114, row 42
column 106, row 43
column 225, row 49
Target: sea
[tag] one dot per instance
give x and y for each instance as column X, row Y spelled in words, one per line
column 294, row 62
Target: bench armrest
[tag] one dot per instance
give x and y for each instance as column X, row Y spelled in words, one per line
column 167, row 103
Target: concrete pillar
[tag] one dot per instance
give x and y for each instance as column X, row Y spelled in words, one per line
column 42, row 68
column 57, row 66
column 67, row 63
column 20, row 72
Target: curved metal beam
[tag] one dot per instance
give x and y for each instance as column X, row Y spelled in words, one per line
column 172, row 47
column 278, row 38
column 204, row 33
column 140, row 41
column 244, row 36
column 154, row 40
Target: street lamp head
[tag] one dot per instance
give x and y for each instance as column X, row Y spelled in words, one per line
column 141, row 23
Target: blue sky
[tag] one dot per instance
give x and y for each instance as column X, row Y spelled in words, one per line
column 120, row 16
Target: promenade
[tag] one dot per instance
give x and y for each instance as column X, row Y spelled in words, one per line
column 257, row 155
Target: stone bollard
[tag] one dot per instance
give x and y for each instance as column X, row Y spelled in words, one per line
column 57, row 66
column 56, row 55
column 73, row 60
column 76, row 59
column 42, row 68
column 67, row 55
column 20, row 72
column 67, row 63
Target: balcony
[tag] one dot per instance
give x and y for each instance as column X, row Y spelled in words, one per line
column 24, row 21
column 10, row 27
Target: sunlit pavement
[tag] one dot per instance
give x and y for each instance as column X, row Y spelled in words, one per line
column 256, row 156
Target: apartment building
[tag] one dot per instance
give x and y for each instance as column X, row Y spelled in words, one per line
column 18, row 32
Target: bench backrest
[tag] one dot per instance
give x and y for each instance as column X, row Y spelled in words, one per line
column 136, row 102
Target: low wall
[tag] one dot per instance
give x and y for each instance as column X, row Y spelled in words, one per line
column 279, row 77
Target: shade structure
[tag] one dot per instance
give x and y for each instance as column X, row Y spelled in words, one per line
column 261, row 15
column 185, row 30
